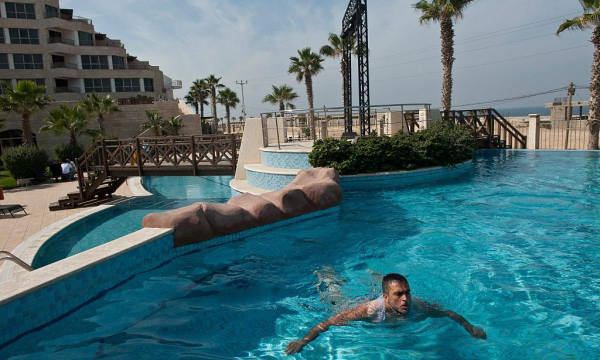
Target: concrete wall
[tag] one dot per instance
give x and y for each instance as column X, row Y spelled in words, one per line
column 123, row 124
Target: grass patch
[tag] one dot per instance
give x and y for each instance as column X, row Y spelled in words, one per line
column 7, row 181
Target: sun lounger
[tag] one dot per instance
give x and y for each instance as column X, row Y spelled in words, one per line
column 10, row 209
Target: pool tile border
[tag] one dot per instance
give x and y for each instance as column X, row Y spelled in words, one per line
column 44, row 295
column 27, row 250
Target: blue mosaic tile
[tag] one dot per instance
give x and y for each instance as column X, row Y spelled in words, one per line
column 285, row 160
column 401, row 179
column 268, row 181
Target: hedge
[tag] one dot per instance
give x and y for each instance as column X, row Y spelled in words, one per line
column 25, row 162
column 442, row 144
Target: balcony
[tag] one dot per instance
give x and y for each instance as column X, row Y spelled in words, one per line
column 67, row 17
column 60, row 40
column 66, row 89
column 63, row 65
column 110, row 43
column 133, row 66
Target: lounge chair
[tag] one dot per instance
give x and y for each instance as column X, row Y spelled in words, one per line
column 10, row 209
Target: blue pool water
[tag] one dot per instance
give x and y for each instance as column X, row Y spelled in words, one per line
column 513, row 246
column 169, row 193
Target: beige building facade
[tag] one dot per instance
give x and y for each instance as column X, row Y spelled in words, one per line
column 42, row 42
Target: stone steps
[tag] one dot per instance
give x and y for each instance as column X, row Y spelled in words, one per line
column 276, row 169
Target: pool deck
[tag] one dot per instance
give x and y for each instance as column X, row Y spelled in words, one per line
column 36, row 199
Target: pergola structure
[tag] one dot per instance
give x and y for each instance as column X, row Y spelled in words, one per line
column 355, row 24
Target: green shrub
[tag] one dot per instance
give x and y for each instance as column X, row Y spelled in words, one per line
column 442, row 144
column 25, row 162
column 68, row 151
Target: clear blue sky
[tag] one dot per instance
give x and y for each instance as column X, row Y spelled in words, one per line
column 498, row 47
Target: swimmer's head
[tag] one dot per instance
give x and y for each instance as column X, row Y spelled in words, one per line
column 396, row 293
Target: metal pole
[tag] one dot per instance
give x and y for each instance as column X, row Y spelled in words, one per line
column 242, row 83
column 571, row 92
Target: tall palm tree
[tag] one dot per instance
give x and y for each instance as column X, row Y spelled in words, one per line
column 444, row 12
column 282, row 96
column 191, row 99
column 197, row 96
column 590, row 19
column 24, row 99
column 154, row 122
column 99, row 107
column 213, row 83
column 230, row 100
column 306, row 65
column 72, row 120
column 335, row 49
column 173, row 125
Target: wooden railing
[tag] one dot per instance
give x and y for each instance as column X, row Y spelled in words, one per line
column 162, row 156
column 490, row 126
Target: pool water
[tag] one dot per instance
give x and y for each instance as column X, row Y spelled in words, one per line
column 168, row 193
column 512, row 246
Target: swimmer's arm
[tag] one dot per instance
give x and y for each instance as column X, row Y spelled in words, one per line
column 474, row 331
column 356, row 314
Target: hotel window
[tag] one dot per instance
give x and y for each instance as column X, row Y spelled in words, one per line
column 94, row 62
column 2, row 41
column 20, row 11
column 118, row 62
column 2, row 81
column 4, row 61
column 28, row 61
column 51, row 12
column 149, row 84
column 40, row 82
column 24, row 36
column 127, row 85
column 97, row 85
column 85, row 39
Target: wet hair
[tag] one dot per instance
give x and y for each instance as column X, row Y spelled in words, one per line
column 390, row 278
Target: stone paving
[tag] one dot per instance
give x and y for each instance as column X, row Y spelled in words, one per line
column 35, row 200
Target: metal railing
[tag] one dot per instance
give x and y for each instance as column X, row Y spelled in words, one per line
column 61, row 40
column 66, row 17
column 66, row 89
column 564, row 134
column 66, row 65
column 135, row 101
column 294, row 125
column 16, row 260
column 111, row 43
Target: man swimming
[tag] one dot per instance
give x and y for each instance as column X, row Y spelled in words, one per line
column 394, row 305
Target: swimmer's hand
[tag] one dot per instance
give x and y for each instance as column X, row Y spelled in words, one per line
column 295, row 347
column 477, row 332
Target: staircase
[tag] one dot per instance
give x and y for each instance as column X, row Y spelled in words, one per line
column 276, row 169
column 96, row 185
column 491, row 129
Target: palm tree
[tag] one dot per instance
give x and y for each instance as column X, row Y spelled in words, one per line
column 283, row 96
column 590, row 19
column 154, row 122
column 73, row 120
column 192, row 99
column 444, row 12
column 230, row 100
column 24, row 99
column 99, row 107
column 335, row 49
column 197, row 96
column 213, row 83
column 305, row 66
column 173, row 125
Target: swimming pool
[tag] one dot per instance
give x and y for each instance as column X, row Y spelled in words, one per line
column 512, row 246
column 168, row 193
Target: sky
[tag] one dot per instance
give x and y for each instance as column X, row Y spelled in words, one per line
column 504, row 48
